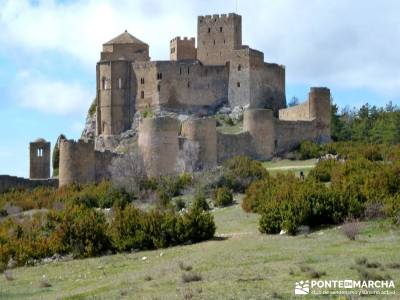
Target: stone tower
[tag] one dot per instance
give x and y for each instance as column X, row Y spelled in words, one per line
column 182, row 49
column 116, row 89
column 320, row 109
column 39, row 152
column 217, row 37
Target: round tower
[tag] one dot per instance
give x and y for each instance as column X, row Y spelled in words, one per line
column 320, row 111
column 159, row 145
column 77, row 162
column 39, row 166
column 203, row 131
column 261, row 126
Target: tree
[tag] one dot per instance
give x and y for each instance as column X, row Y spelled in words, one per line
column 293, row 102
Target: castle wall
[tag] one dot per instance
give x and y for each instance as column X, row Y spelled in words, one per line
column 299, row 112
column 80, row 163
column 39, row 164
column 260, row 123
column 255, row 83
column 291, row 133
column 159, row 145
column 203, row 131
column 184, row 86
column 267, row 87
column 11, row 182
column 230, row 145
column 218, row 36
column 183, row 49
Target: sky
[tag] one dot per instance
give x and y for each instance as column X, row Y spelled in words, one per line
column 49, row 50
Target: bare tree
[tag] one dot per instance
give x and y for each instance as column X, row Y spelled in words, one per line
column 127, row 171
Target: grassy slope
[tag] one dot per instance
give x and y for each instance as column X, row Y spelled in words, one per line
column 240, row 264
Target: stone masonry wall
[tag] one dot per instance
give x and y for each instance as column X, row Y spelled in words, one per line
column 184, row 85
column 11, row 182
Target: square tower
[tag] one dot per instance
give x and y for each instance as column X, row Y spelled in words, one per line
column 217, row 37
column 182, row 49
column 39, row 151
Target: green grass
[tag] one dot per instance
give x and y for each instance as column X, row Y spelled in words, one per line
column 234, row 129
column 240, row 263
column 293, row 166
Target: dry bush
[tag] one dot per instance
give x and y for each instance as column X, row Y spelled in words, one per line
column 148, row 278
column 184, row 267
column 8, row 275
column 127, row 171
column 190, row 277
column 44, row 283
column 393, row 265
column 351, row 229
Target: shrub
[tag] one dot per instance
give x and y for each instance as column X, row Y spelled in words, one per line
column 223, row 197
column 197, row 225
column 351, row 229
column 271, row 220
column 200, row 201
column 81, row 230
column 239, row 172
column 191, row 276
column 180, row 204
column 309, row 150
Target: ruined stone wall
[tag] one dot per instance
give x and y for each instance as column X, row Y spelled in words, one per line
column 39, row 165
column 183, row 49
column 115, row 97
column 12, row 182
column 230, row 145
column 184, row 85
column 218, row 36
column 204, row 132
column 260, row 123
column 159, row 145
column 291, row 133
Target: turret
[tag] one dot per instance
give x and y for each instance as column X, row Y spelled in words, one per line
column 183, row 49
column 320, row 110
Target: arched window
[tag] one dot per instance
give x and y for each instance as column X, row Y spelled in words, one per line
column 120, row 83
column 39, row 152
column 239, row 67
column 103, row 83
column 158, row 87
column 142, row 94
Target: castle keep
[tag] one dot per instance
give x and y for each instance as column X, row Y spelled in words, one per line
column 170, row 106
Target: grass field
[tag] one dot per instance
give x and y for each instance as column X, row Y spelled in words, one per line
column 293, row 166
column 240, row 263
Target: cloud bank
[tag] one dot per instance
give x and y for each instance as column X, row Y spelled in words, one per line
column 341, row 43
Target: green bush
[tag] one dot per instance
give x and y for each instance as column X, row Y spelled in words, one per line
column 200, row 201
column 223, row 197
column 81, row 230
column 239, row 172
column 309, row 150
column 180, row 204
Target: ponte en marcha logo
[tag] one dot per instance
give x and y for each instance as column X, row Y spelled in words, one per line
column 345, row 287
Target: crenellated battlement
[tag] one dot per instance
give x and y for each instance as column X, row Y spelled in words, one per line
column 185, row 38
column 217, row 17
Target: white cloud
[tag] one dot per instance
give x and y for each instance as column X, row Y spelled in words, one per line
column 52, row 96
column 347, row 44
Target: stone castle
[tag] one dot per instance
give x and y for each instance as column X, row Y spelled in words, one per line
column 167, row 108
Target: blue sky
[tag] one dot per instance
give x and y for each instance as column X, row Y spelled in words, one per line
column 49, row 48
